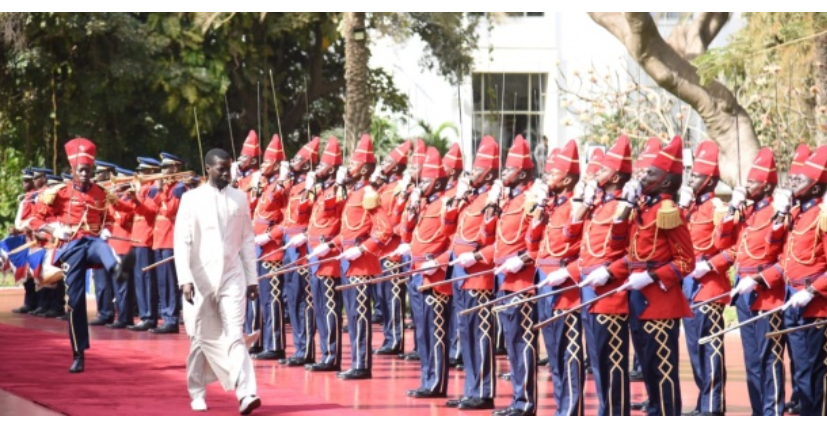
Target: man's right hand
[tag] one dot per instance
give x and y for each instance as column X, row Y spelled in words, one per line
column 189, row 292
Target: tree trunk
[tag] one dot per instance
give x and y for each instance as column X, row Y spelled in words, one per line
column 820, row 74
column 357, row 102
column 727, row 123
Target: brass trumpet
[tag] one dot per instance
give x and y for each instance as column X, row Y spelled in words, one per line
column 178, row 177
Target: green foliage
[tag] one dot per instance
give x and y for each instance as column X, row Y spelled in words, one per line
column 10, row 172
column 435, row 137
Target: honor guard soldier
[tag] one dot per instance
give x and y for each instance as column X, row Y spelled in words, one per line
column 325, row 223
column 802, row 266
column 122, row 212
column 365, row 230
column 296, row 284
column 390, row 295
column 476, row 330
column 100, row 278
column 749, row 241
column 554, row 241
column 516, row 272
column 703, row 213
column 605, row 240
column 452, row 162
column 25, row 212
column 81, row 224
column 163, row 200
column 422, row 228
column 659, row 258
column 143, row 227
column 249, row 177
column 267, row 220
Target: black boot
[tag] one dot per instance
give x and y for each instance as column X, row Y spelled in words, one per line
column 77, row 364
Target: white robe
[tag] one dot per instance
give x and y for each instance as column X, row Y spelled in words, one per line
column 214, row 250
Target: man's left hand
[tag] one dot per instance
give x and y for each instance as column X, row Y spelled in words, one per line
column 252, row 292
column 640, row 280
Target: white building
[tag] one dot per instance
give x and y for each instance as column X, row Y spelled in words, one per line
column 516, row 64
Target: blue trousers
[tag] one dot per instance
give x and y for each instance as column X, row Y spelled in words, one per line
column 300, row 306
column 476, row 336
column 563, row 339
column 807, row 348
column 763, row 359
column 416, row 300
column 270, row 308
column 435, row 347
column 327, row 303
column 610, row 360
column 708, row 360
column 521, row 342
column 168, row 291
column 103, row 294
column 357, row 305
column 76, row 258
column 123, row 289
column 391, row 298
column 146, row 288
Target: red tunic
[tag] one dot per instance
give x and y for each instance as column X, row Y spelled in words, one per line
column 296, row 212
column 511, row 230
column 164, row 204
column 325, row 223
column 368, row 227
column 423, row 228
column 85, row 213
column 753, row 245
column 267, row 217
column 665, row 252
column 143, row 221
column 702, row 229
column 556, row 244
column 468, row 237
column 122, row 213
column 803, row 261
column 388, row 200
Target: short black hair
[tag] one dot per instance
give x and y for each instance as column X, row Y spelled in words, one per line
column 216, row 154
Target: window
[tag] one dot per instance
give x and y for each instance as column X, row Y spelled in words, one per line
column 506, row 105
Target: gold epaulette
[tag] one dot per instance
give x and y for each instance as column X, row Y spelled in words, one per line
column 621, row 207
column 669, row 216
column 371, row 199
column 49, row 195
column 530, row 202
column 822, row 218
column 721, row 209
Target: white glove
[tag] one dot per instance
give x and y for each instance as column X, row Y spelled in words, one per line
column 406, row 180
column 739, row 196
column 495, row 191
column 416, row 194
column 61, row 233
column 255, row 179
column 402, row 250
column 105, row 234
column 512, row 265
column 465, row 260
column 432, row 267
column 800, row 299
column 589, row 193
column 597, row 278
column 320, row 250
column 702, row 267
column 539, row 190
column 262, row 239
column 309, row 180
column 373, row 176
column 234, row 171
column 341, row 174
column 296, row 241
column 631, row 191
column 462, row 187
column 579, row 189
column 782, row 201
column 284, row 171
column 685, row 197
column 352, row 253
column 556, row 277
column 745, row 286
column 638, row 281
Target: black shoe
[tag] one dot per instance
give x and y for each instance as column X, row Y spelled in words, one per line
column 542, row 362
column 424, row 393
column 454, row 403
column 692, row 413
column 165, row 329
column 345, row 330
column 387, row 351
column 269, row 355
column 503, row 412
column 77, row 364
column 62, row 316
column 712, row 413
column 116, row 325
column 454, row 362
column 635, row 376
column 376, row 320
column 341, row 375
column 795, row 409
column 414, row 356
column 500, row 351
column 322, row 367
column 21, row 310
column 505, row 376
column 257, row 349
column 477, row 404
column 639, row 405
column 49, row 314
column 145, row 325
column 588, row 370
column 299, row 362
column 409, row 325
column 355, row 374
column 517, row 412
column 460, row 367
column 99, row 322
column 36, row 311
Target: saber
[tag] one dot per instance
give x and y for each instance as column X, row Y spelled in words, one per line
column 300, row 266
column 229, row 124
column 580, row 306
column 198, row 133
column 404, row 263
column 119, row 238
column 710, row 338
column 813, row 325
column 382, row 279
column 276, row 103
column 468, row 311
column 536, row 297
column 710, row 300
column 271, row 253
column 158, row 263
column 424, row 288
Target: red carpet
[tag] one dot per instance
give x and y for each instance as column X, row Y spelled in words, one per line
column 123, row 381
